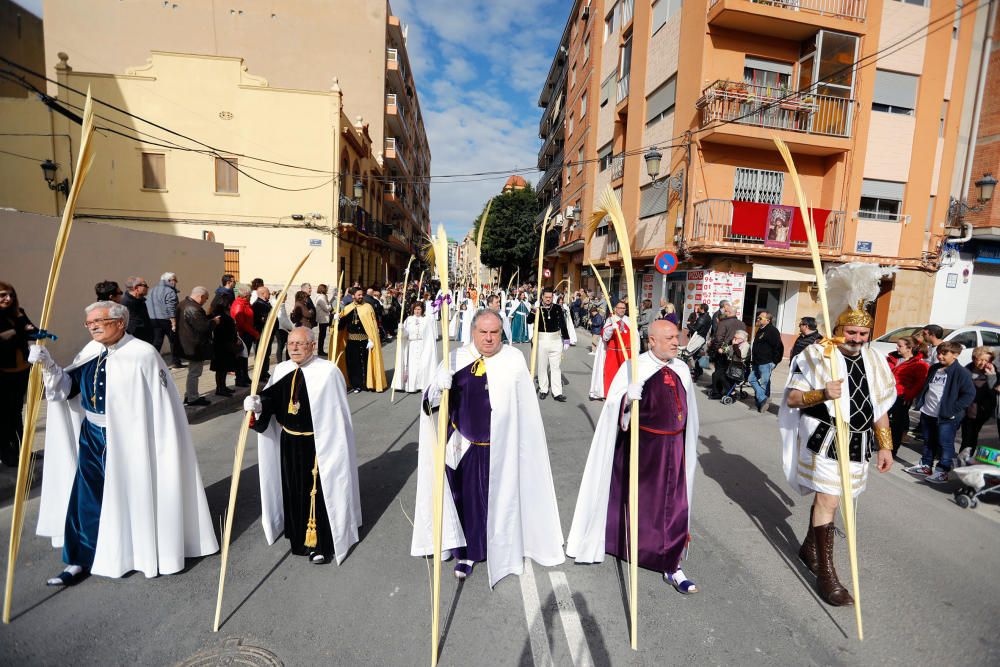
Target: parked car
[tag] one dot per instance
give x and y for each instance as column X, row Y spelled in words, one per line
column 969, row 337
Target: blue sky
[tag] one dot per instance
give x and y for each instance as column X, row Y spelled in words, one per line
column 479, row 67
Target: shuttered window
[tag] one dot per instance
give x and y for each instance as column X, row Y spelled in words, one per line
column 154, row 171
column 661, row 101
column 232, row 262
column 652, row 201
column 607, row 88
column 226, row 175
column 894, row 92
column 604, row 156
column 758, row 185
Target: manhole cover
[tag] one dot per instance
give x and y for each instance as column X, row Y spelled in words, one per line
column 233, row 652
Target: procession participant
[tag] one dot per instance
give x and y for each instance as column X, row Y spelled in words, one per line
column 470, row 308
column 570, row 322
column 493, row 303
column 499, row 500
column 553, row 338
column 359, row 348
column 432, row 310
column 668, row 435
column 618, row 348
column 866, row 391
column 121, row 489
column 599, row 351
column 308, row 465
column 519, row 319
column 418, row 352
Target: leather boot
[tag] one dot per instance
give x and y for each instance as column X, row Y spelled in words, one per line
column 827, row 583
column 807, row 554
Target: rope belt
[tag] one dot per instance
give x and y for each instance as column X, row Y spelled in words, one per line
column 656, row 431
column 471, row 442
column 357, row 336
column 291, row 432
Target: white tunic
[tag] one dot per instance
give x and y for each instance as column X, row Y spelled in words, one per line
column 418, row 354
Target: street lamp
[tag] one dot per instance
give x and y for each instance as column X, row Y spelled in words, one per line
column 673, row 183
column 49, row 170
column 985, row 186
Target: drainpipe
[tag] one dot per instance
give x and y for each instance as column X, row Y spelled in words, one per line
column 978, row 104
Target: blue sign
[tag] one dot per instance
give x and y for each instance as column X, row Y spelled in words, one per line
column 665, row 262
column 988, row 253
column 863, row 246
column 315, row 242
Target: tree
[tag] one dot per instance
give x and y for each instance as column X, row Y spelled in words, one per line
column 510, row 241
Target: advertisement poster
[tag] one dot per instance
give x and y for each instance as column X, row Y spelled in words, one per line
column 646, row 291
column 711, row 287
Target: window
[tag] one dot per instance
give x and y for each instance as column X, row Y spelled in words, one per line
column 154, row 171
column 894, row 92
column 967, row 339
column 918, row 3
column 572, row 76
column 944, row 118
column 990, row 338
column 652, row 201
column 586, row 49
column 770, row 73
column 661, row 101
column 758, row 185
column 226, row 176
column 663, row 10
column 231, row 260
column 583, row 104
column 607, row 88
column 579, row 160
column 569, row 174
column 569, row 125
column 604, row 156
column 881, row 200
column 609, row 23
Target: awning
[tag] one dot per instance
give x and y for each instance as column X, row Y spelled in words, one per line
column 800, row 274
column 572, row 246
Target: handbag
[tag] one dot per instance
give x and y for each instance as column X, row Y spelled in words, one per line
column 734, row 371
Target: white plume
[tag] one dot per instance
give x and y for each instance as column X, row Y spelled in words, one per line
column 849, row 284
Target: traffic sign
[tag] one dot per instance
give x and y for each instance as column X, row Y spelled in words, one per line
column 547, row 273
column 665, row 262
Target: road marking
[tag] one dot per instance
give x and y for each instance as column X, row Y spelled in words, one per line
column 537, row 635
column 578, row 648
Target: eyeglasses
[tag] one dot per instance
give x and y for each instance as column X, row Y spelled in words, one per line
column 298, row 344
column 141, row 285
column 99, row 322
column 5, row 295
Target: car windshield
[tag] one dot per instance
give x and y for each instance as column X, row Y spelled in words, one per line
column 895, row 335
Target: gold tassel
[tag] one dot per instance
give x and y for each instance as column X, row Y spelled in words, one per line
column 311, row 539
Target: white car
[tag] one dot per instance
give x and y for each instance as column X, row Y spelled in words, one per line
column 969, row 337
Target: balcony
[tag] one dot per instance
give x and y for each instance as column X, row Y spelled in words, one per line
column 622, row 89
column 789, row 19
column 396, row 115
column 618, row 166
column 714, row 230
column 394, row 151
column 882, row 216
column 395, row 69
column 554, row 169
column 727, row 105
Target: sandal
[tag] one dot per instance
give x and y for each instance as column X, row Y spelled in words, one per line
column 680, row 582
column 67, row 578
column 463, row 569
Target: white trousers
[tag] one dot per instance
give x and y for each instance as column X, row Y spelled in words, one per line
column 550, row 349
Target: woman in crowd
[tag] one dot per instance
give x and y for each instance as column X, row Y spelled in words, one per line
column 669, row 312
column 646, row 316
column 322, row 318
column 418, row 354
column 984, row 377
column 226, row 345
column 15, row 329
column 304, row 313
column 909, row 366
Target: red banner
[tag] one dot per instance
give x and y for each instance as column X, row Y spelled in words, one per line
column 750, row 219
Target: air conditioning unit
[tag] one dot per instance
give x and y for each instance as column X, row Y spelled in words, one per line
column 570, row 213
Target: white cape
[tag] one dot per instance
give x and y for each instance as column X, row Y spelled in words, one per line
column 570, row 327
column 418, row 356
column 465, row 331
column 587, row 534
column 814, row 373
column 434, row 315
column 522, row 516
column 338, row 464
column 154, row 513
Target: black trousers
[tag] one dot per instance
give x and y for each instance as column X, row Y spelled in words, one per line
column 899, row 422
column 13, row 387
column 972, row 427
column 356, row 358
column 266, row 364
column 281, row 336
column 320, row 349
column 243, row 363
column 161, row 330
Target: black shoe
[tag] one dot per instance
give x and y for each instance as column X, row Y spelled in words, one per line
column 224, row 392
column 542, row 395
column 242, row 383
column 180, row 364
column 561, row 398
column 201, row 400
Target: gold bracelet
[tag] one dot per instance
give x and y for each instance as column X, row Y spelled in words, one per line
column 883, row 436
column 814, row 397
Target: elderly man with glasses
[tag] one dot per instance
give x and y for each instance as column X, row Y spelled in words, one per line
column 162, row 305
column 139, row 324
column 121, row 488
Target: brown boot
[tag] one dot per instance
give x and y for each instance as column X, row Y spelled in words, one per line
column 827, row 583
column 807, row 554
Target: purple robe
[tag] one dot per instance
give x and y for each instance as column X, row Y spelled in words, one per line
column 663, row 503
column 469, row 413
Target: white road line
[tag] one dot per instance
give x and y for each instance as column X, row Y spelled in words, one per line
column 578, row 648
column 540, row 653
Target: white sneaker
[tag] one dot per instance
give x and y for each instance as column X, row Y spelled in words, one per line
column 940, row 477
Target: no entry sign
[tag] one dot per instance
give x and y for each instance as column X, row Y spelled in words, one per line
column 665, row 262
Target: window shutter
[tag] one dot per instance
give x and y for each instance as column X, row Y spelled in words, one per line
column 653, row 201
column 226, row 175
column 154, row 175
column 894, row 89
column 768, row 65
column 882, row 189
column 662, row 99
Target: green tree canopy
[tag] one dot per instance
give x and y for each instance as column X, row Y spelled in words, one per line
column 510, row 241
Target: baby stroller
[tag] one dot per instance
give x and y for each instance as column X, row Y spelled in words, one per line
column 693, row 354
column 738, row 372
column 978, row 479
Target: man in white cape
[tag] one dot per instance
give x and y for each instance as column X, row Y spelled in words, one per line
column 121, row 488
column 418, row 352
column 499, row 500
column 308, row 445
column 668, row 424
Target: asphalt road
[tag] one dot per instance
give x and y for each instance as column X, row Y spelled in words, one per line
column 927, row 590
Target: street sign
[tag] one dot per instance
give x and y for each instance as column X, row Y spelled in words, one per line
column 863, row 246
column 315, row 242
column 665, row 262
column 547, row 273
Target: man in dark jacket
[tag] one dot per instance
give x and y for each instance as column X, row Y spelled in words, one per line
column 718, row 315
column 726, row 326
column 139, row 324
column 942, row 403
column 194, row 333
column 767, row 353
column 261, row 309
column 807, row 336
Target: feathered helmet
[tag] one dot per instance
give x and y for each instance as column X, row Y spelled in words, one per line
column 850, row 288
